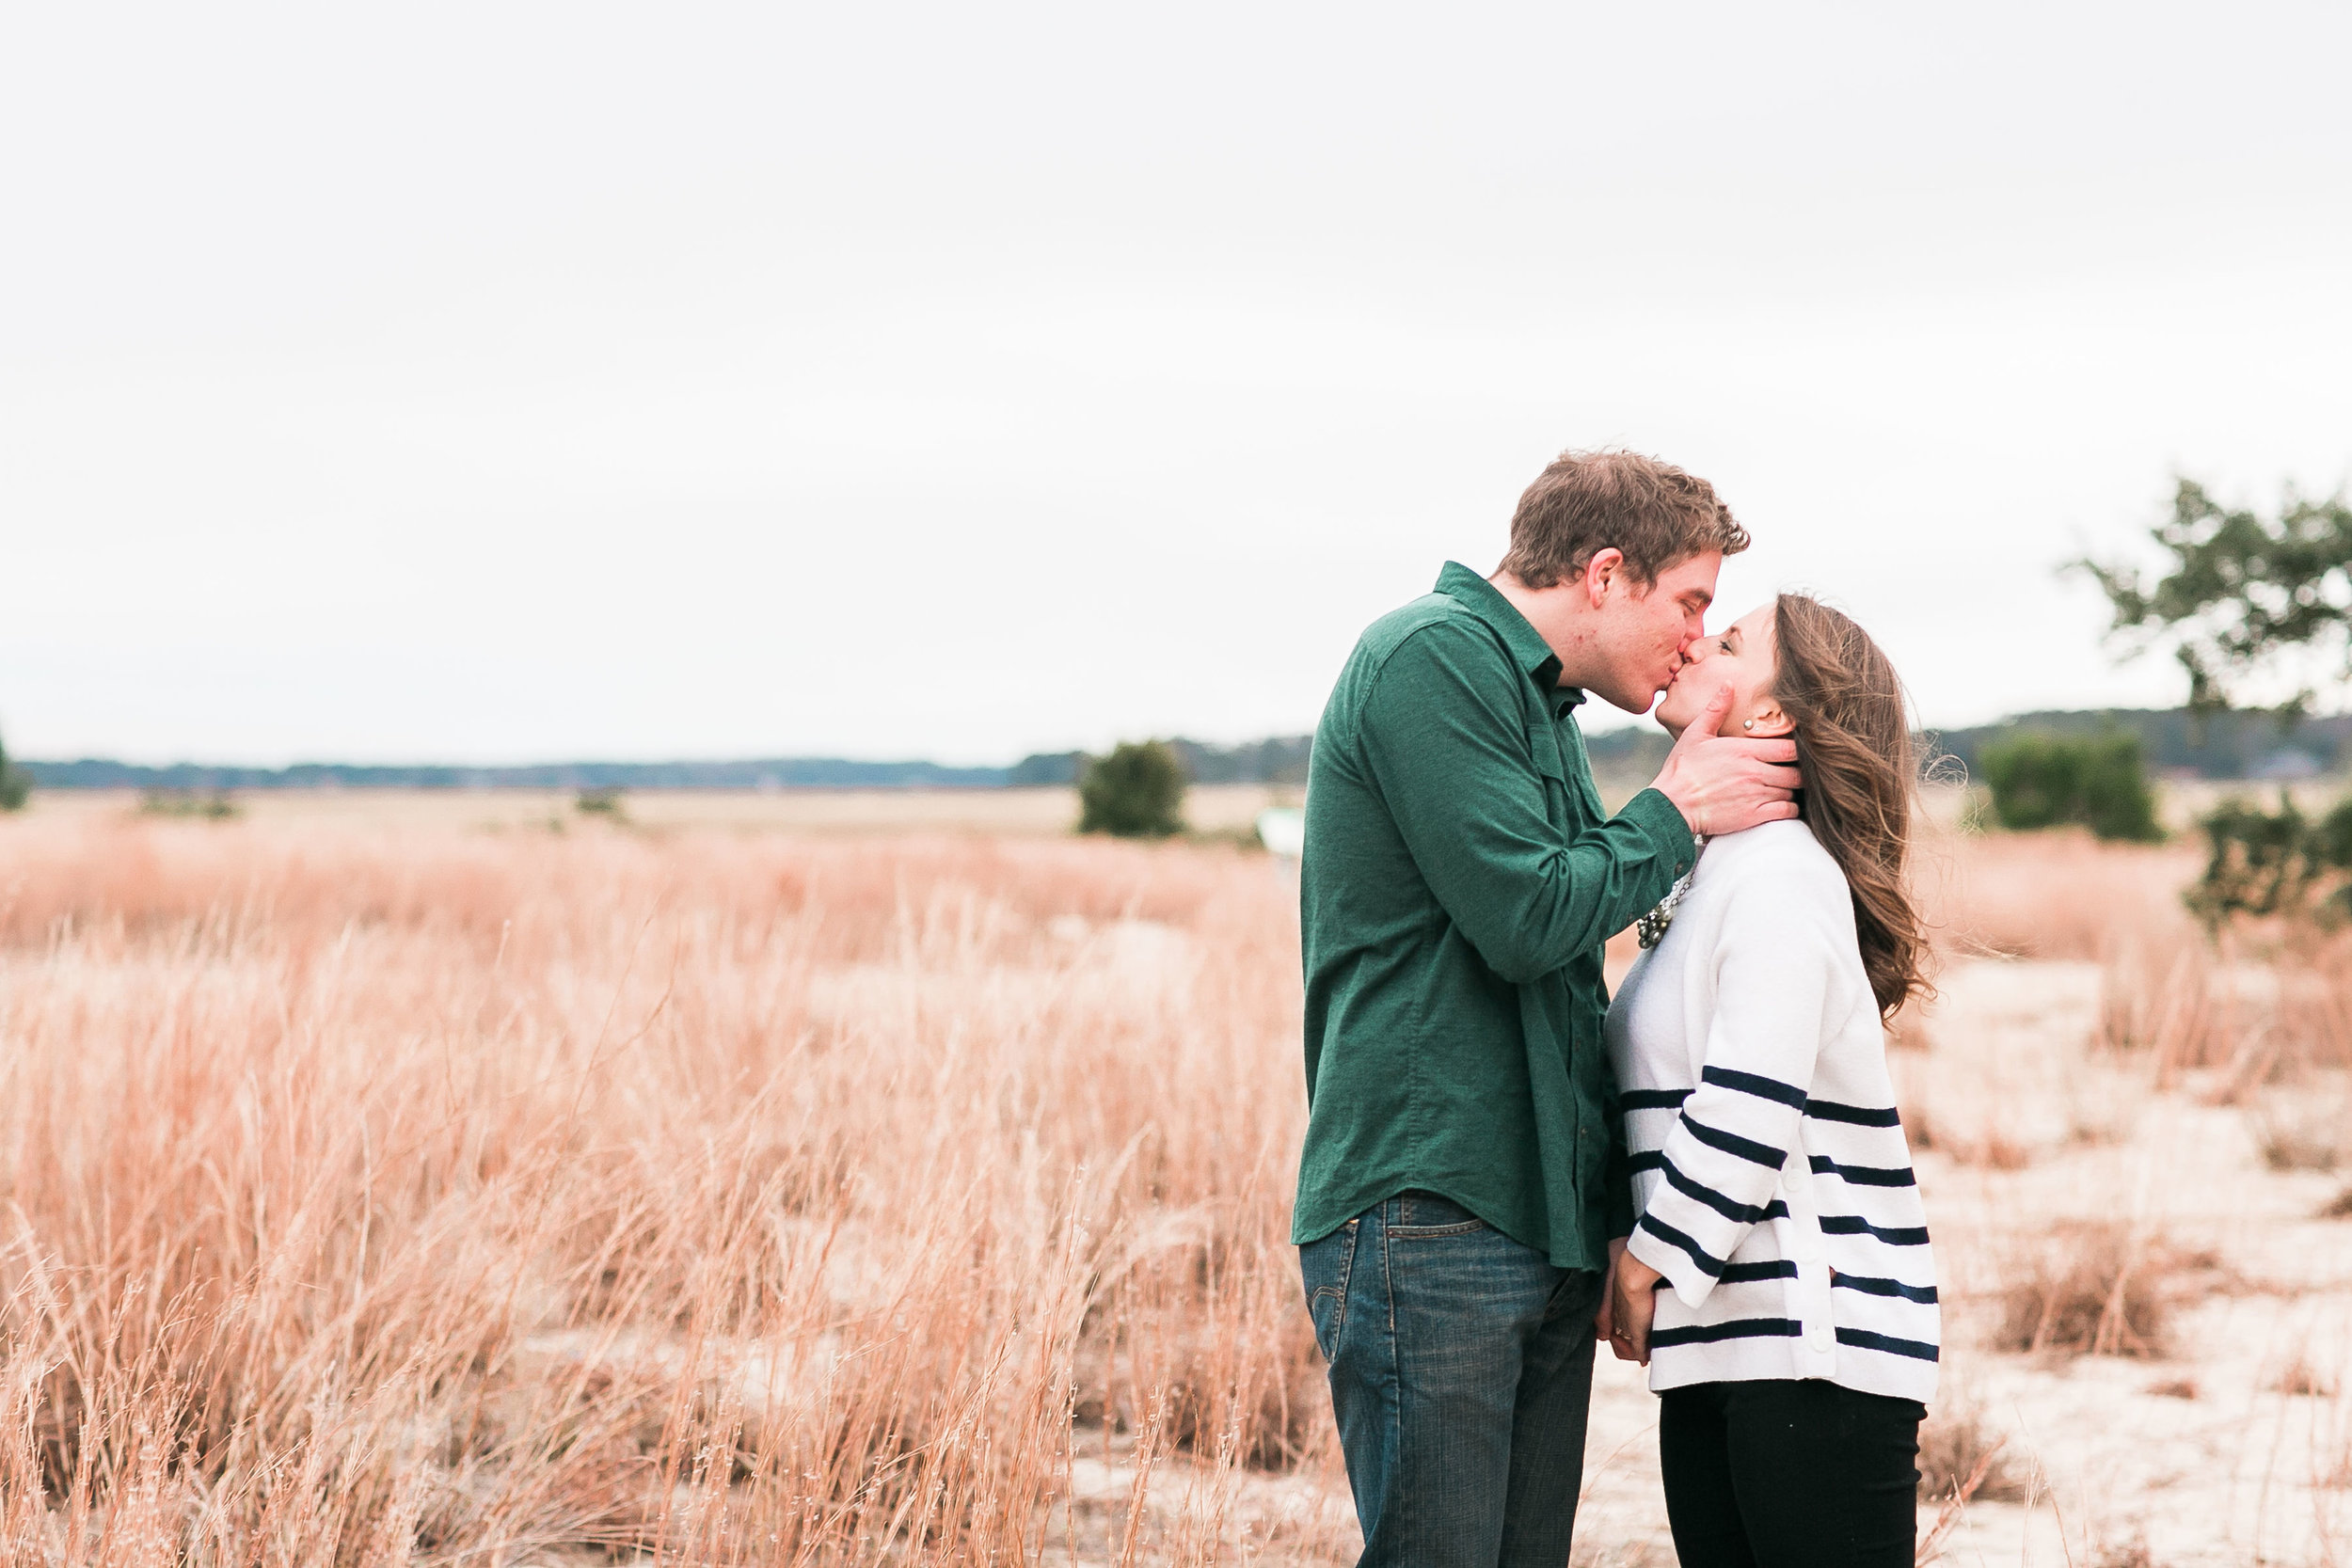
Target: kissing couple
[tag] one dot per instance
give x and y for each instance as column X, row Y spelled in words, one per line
column 1505, row 1167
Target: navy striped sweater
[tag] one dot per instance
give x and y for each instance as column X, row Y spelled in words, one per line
column 1772, row 1183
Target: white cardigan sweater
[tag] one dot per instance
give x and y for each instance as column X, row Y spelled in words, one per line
column 1770, row 1174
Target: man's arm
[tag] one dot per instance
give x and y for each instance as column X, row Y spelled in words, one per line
column 1446, row 743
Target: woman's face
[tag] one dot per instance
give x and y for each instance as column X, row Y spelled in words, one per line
column 1743, row 657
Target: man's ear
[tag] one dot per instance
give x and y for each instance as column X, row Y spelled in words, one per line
column 1604, row 569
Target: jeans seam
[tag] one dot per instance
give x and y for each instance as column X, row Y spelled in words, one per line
column 1396, row 1369
column 1335, row 1290
column 1354, row 1231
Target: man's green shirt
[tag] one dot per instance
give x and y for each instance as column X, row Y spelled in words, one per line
column 1458, row 881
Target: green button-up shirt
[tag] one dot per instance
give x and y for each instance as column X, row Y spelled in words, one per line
column 1460, row 878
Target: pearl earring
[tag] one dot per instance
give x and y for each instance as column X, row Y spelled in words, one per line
column 1748, row 725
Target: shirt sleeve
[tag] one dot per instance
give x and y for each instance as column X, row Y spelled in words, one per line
column 1446, row 744
column 1720, row 1165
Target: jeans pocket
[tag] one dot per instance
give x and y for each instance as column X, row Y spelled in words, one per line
column 1425, row 1216
column 1579, row 1292
column 1327, row 1264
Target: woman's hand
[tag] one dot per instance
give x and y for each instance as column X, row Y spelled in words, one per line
column 1605, row 1321
column 1633, row 1303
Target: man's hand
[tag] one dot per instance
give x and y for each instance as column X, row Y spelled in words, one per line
column 1633, row 1303
column 1722, row 785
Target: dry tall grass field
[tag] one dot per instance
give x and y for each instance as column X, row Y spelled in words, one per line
column 388, row 1187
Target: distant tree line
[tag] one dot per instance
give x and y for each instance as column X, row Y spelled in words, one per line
column 1278, row 760
column 756, row 773
column 2231, row 745
column 2221, row 745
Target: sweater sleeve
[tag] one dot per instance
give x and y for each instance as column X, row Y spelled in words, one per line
column 1720, row 1165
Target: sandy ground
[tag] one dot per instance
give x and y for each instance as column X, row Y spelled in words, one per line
column 2195, row 1459
column 2197, row 1455
column 2236, row 1474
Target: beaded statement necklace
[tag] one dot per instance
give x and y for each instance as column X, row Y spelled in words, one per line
column 1651, row 928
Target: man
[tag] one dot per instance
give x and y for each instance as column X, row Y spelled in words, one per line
column 1464, row 1176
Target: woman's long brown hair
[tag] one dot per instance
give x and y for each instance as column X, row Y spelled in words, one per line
column 1854, row 751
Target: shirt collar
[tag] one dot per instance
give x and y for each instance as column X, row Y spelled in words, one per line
column 1528, row 648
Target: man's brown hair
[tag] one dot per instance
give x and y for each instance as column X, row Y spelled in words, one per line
column 1589, row 501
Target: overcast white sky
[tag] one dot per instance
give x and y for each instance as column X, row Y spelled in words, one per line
column 497, row 382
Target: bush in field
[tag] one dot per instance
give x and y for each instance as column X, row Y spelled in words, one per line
column 2097, row 1287
column 2261, row 864
column 212, row 806
column 2039, row 780
column 1135, row 792
column 1958, row 1445
column 605, row 803
column 14, row 786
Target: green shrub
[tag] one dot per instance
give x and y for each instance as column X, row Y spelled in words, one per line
column 211, row 806
column 2259, row 864
column 1135, row 792
column 601, row 802
column 15, row 787
column 2042, row 781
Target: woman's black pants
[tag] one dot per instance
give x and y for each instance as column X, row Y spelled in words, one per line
column 1781, row 1473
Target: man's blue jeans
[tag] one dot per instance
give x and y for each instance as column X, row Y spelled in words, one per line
column 1461, row 1372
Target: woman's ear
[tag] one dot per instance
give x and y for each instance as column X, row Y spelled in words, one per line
column 1767, row 724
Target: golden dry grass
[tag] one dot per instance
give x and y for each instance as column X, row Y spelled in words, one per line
column 2099, row 1289
column 419, row 1197
column 424, row 1185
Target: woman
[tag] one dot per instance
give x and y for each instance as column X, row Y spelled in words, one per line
column 1781, row 1246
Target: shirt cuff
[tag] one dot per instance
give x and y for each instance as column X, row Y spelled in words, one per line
column 1660, row 821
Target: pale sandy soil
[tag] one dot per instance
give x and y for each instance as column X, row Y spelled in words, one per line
column 2239, row 1473
column 2236, row 1473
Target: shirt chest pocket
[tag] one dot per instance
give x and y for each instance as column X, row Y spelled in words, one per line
column 1568, row 797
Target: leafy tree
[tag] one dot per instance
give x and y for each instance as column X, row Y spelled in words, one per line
column 15, row 785
column 1135, row 792
column 2044, row 780
column 2241, row 595
column 2239, row 592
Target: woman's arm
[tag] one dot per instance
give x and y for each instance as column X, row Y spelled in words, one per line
column 1776, row 963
